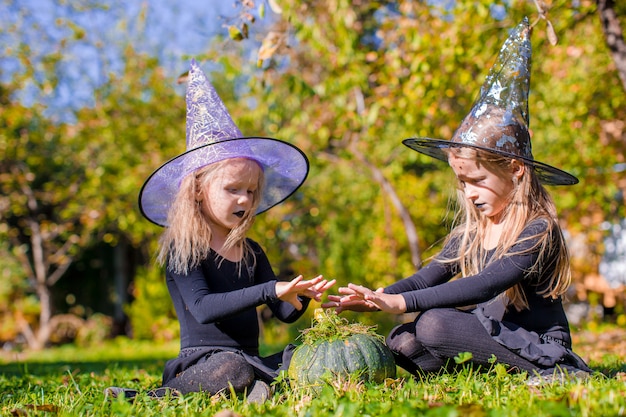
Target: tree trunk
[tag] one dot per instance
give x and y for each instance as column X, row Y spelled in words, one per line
column 42, row 334
column 121, row 279
column 379, row 177
column 409, row 226
column 613, row 36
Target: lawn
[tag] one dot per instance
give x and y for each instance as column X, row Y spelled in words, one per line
column 69, row 381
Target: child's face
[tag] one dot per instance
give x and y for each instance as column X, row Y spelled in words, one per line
column 229, row 195
column 486, row 190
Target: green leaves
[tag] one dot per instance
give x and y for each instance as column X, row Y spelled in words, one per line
column 463, row 357
column 238, row 33
column 359, row 78
column 344, row 81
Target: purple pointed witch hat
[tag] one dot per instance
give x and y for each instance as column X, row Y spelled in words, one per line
column 212, row 136
column 498, row 121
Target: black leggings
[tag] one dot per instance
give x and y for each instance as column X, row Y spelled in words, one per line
column 430, row 343
column 215, row 373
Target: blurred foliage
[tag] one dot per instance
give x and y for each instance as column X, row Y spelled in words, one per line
column 423, row 77
column 151, row 313
column 12, row 288
column 47, row 174
column 345, row 81
column 391, row 70
column 69, row 187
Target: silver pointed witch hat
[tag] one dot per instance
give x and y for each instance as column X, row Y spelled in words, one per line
column 498, row 121
column 212, row 136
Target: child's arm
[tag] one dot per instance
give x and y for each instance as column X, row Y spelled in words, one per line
column 519, row 264
column 208, row 304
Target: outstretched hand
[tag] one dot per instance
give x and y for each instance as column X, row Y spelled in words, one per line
column 359, row 298
column 312, row 288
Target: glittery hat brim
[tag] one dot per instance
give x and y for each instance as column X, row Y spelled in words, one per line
column 436, row 148
column 285, row 168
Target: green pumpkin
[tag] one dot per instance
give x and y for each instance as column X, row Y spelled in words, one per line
column 335, row 349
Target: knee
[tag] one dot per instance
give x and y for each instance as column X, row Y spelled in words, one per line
column 233, row 370
column 431, row 328
column 401, row 339
column 217, row 373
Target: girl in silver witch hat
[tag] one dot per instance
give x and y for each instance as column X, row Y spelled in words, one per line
column 495, row 289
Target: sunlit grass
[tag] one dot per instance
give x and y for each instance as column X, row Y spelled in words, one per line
column 69, row 381
column 116, row 349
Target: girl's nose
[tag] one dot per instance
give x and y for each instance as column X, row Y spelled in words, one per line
column 470, row 193
column 244, row 198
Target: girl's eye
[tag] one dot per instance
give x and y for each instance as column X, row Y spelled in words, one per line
column 472, row 181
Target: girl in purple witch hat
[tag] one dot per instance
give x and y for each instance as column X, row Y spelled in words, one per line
column 207, row 198
column 495, row 289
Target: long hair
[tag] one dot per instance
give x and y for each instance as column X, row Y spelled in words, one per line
column 528, row 201
column 187, row 241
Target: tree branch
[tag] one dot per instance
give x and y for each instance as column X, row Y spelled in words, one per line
column 409, row 226
column 379, row 177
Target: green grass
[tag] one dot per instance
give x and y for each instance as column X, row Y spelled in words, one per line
column 69, row 381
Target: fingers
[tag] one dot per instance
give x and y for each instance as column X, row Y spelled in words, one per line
column 345, row 291
column 313, row 288
column 296, row 280
column 344, row 303
column 334, row 304
column 359, row 288
column 353, row 297
column 317, row 285
column 315, row 280
column 296, row 303
column 325, row 285
column 314, row 295
column 302, row 284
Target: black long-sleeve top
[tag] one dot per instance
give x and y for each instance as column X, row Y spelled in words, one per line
column 217, row 307
column 433, row 287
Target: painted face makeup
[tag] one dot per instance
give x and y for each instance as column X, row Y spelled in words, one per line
column 486, row 190
column 230, row 194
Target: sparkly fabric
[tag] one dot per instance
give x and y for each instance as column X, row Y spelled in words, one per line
column 212, row 136
column 498, row 121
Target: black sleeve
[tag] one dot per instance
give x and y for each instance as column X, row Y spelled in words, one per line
column 282, row 310
column 497, row 277
column 214, row 301
column 207, row 306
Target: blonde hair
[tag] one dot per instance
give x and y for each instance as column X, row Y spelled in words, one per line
column 529, row 201
column 187, row 241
